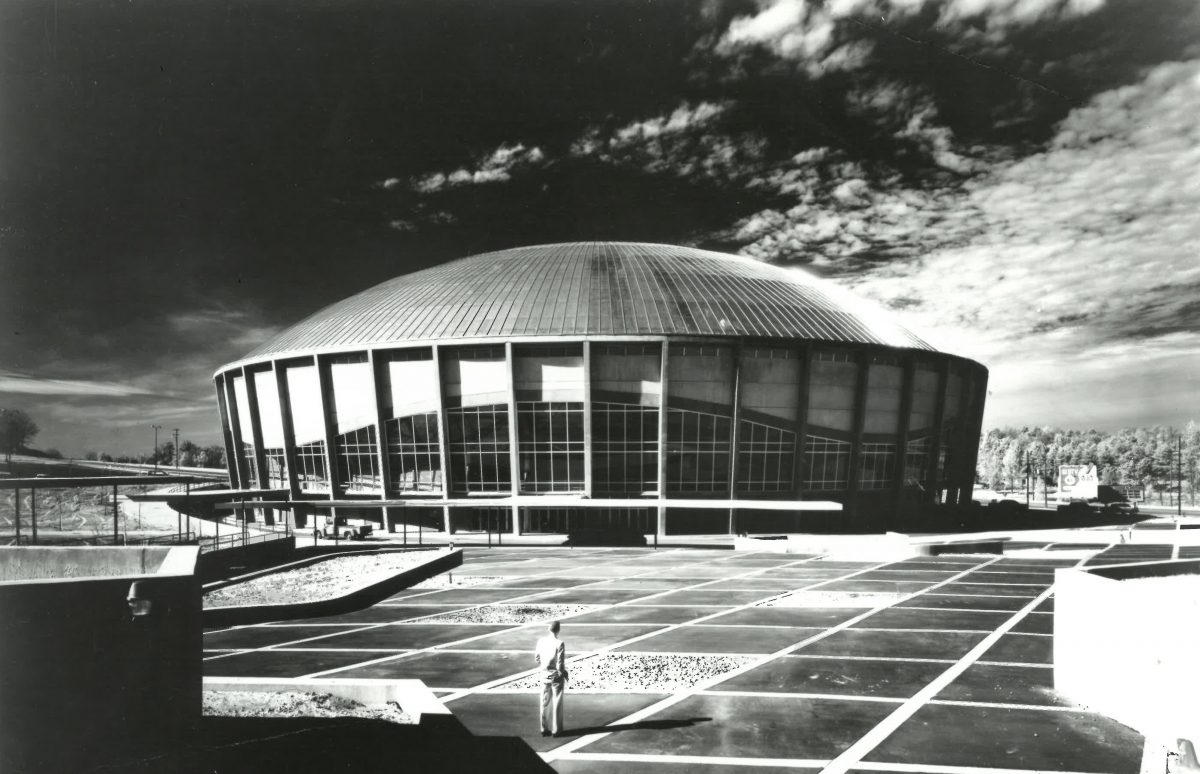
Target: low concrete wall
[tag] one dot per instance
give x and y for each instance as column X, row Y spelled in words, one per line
column 239, row 560
column 82, row 682
column 1128, row 649
column 412, row 696
column 440, row 561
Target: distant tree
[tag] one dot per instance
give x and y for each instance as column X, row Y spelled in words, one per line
column 17, row 429
column 105, row 457
column 54, row 454
column 214, row 456
column 91, row 456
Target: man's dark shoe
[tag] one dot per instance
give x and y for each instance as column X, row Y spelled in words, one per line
column 545, row 733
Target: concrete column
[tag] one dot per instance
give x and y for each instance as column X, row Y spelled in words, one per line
column 514, row 458
column 325, row 377
column 381, row 439
column 260, row 455
column 587, row 419
column 734, row 430
column 802, row 419
column 235, row 429
column 860, row 416
column 443, row 451
column 289, row 430
column 906, row 400
column 975, row 428
column 935, row 447
column 664, row 380
column 226, row 434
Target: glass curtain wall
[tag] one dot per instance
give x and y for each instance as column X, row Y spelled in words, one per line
column 476, row 385
column 877, row 457
column 308, row 425
column 246, row 428
column 951, row 432
column 626, row 399
column 410, row 411
column 357, row 450
column 769, row 398
column 548, row 382
column 921, row 417
column 699, row 418
column 832, row 383
column 270, row 422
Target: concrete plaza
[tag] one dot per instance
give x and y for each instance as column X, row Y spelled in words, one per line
column 950, row 673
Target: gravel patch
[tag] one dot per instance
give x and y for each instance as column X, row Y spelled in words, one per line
column 451, row 581
column 653, row 673
column 324, row 580
column 863, row 599
column 517, row 614
column 297, row 704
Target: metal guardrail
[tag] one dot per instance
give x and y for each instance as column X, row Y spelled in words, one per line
column 238, row 539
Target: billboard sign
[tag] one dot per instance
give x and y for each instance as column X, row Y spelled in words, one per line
column 1079, row 482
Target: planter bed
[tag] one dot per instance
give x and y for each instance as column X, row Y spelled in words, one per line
column 328, row 578
column 517, row 614
column 297, row 704
column 650, row 673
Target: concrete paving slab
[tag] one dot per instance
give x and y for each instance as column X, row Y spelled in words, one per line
column 280, row 663
column 856, row 642
column 852, row 677
column 751, row 727
column 666, row 766
column 579, row 639
column 1035, row 623
column 765, row 583
column 261, row 636
column 788, row 616
column 516, row 714
column 879, row 586
column 946, row 735
column 645, row 614
column 1022, row 649
column 378, row 614
column 414, row 635
column 464, row 596
column 990, row 589
column 722, row 639
column 905, row 618
column 447, row 669
column 960, row 602
column 592, row 596
column 711, row 597
column 1004, row 684
column 930, row 576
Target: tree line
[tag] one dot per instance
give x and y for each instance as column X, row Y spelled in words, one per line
column 18, row 429
column 1149, row 457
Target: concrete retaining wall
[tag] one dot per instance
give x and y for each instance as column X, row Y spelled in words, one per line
column 82, row 682
column 239, row 560
column 439, row 561
column 1128, row 649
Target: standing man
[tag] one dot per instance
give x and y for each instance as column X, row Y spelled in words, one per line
column 551, row 655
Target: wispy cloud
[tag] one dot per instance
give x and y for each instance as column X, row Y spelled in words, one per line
column 24, row 384
column 497, row 166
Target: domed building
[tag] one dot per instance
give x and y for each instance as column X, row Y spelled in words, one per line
column 552, row 388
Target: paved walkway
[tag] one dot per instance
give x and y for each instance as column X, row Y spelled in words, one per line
column 949, row 672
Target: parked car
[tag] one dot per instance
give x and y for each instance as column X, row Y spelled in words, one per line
column 993, row 500
column 1081, row 507
column 347, row 529
column 1121, row 508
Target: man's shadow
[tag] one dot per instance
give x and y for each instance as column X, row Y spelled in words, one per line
column 643, row 725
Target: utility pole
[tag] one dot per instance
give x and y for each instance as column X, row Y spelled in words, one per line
column 1179, row 474
column 156, row 429
column 176, row 449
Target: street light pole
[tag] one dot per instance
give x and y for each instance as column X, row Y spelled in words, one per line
column 156, row 429
column 176, row 449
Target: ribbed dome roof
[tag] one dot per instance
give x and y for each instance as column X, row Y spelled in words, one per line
column 595, row 288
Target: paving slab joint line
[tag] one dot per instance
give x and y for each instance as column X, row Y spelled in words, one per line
column 666, row 628
column 645, row 712
column 852, row 756
column 363, row 628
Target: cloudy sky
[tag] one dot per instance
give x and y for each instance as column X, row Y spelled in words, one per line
column 1019, row 180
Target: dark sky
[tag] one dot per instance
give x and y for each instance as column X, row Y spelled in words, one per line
column 180, row 180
